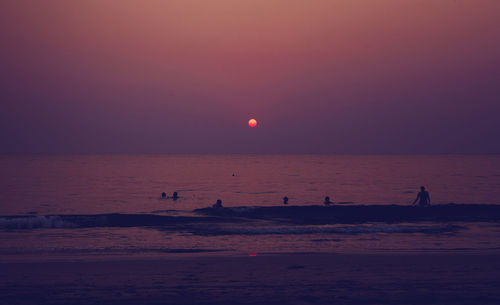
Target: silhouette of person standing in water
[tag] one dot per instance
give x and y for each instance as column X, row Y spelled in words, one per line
column 423, row 198
column 285, row 200
column 327, row 201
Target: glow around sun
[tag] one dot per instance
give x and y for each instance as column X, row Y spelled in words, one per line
column 252, row 122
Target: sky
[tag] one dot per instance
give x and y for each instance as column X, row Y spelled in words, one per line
column 336, row 76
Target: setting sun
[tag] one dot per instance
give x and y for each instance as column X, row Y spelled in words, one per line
column 252, row 123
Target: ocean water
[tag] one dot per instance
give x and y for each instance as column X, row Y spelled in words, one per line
column 48, row 204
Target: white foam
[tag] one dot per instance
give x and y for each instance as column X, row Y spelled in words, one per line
column 242, row 209
column 34, row 222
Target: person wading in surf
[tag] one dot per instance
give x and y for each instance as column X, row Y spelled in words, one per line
column 423, row 198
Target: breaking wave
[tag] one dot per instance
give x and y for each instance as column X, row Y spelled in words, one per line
column 35, row 222
column 105, row 220
column 357, row 229
column 283, row 220
column 362, row 213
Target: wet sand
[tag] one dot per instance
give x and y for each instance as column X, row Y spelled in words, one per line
column 440, row 278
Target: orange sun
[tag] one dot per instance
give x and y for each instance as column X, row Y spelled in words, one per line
column 252, row 123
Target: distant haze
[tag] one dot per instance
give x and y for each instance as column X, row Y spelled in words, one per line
column 336, row 76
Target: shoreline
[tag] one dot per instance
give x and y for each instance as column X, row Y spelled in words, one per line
column 222, row 254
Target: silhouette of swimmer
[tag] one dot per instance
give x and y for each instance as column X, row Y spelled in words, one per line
column 218, row 204
column 423, row 198
column 285, row 200
column 327, row 201
column 175, row 196
column 163, row 195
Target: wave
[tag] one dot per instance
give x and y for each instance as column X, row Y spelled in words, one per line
column 346, row 230
column 104, row 220
column 34, row 222
column 362, row 213
column 290, row 215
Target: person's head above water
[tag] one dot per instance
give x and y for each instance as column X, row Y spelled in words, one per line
column 175, row 196
column 422, row 188
column 218, row 204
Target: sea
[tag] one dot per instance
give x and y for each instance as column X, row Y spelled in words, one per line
column 92, row 207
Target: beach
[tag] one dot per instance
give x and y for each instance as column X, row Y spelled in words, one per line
column 304, row 278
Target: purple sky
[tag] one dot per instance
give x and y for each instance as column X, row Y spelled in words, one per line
column 185, row 76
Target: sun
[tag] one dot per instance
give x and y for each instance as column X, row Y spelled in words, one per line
column 252, row 122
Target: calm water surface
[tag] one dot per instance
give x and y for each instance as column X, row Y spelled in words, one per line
column 133, row 183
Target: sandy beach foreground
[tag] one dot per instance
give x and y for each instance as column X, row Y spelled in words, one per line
column 440, row 278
